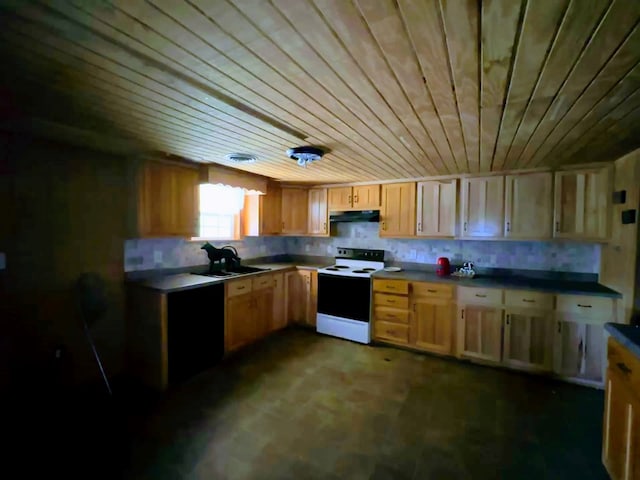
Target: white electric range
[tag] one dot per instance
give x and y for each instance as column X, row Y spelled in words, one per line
column 344, row 294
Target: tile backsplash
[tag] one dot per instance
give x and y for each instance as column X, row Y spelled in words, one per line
column 147, row 254
column 151, row 253
column 556, row 256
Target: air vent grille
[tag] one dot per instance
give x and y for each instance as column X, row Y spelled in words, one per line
column 241, row 157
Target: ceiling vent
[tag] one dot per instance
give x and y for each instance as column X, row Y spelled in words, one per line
column 305, row 155
column 241, row 157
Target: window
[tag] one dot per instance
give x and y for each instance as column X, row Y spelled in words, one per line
column 220, row 208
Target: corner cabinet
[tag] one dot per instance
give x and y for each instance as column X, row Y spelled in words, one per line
column 301, row 287
column 621, row 429
column 398, row 212
column 482, row 207
column 528, row 206
column 436, row 205
column 581, row 204
column 318, row 212
column 168, row 200
column 294, row 210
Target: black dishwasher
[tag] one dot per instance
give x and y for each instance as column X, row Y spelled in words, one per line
column 195, row 330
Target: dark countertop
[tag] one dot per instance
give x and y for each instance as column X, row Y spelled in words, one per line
column 185, row 281
column 566, row 287
column 627, row 335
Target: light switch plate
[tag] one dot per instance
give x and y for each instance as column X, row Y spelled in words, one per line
column 3, row 261
column 157, row 256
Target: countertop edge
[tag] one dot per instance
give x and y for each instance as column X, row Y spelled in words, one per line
column 616, row 330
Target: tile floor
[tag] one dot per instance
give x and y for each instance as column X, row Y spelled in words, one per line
column 303, row 406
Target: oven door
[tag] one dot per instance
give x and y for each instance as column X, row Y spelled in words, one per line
column 344, row 297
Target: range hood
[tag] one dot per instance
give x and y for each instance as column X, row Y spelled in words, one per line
column 357, row 216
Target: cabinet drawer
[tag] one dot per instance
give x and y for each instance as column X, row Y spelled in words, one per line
column 392, row 331
column 262, row 281
column 393, row 286
column 586, row 305
column 395, row 301
column 524, row 299
column 479, row 296
column 625, row 363
column 391, row 315
column 439, row 290
column 238, row 287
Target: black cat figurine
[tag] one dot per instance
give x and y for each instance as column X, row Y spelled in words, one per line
column 228, row 254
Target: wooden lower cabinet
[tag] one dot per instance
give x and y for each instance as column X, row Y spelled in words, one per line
column 279, row 319
column 528, row 339
column 263, row 304
column 240, row 322
column 394, row 332
column 621, row 428
column 301, row 297
column 480, row 333
column 431, row 325
column 579, row 349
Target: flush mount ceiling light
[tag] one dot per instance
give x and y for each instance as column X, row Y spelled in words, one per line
column 305, row 155
column 241, row 157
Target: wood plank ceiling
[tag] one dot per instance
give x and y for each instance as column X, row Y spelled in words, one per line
column 394, row 88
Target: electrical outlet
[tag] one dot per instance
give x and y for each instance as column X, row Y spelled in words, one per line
column 157, row 256
column 413, row 254
column 3, row 261
column 307, row 248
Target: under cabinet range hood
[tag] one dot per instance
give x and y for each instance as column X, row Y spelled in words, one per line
column 355, row 216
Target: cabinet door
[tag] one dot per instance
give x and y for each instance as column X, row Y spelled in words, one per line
column 294, row 210
column 579, row 350
column 620, row 450
column 340, row 198
column 528, row 340
column 431, row 325
column 318, row 221
column 271, row 211
column 155, row 212
column 263, row 311
column 279, row 318
column 366, row 196
column 241, row 321
column 294, row 292
column 528, row 206
column 312, row 299
column 398, row 210
column 436, row 216
column 186, row 201
column 581, row 204
column 307, row 297
column 480, row 333
column 483, row 206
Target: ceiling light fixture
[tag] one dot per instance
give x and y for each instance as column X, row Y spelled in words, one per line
column 305, row 155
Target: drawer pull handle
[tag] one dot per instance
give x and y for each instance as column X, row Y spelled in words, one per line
column 240, row 288
column 480, row 296
column 390, row 301
column 528, row 301
column 390, row 287
column 431, row 290
column 584, row 306
column 626, row 370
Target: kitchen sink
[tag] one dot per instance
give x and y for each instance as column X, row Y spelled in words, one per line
column 240, row 270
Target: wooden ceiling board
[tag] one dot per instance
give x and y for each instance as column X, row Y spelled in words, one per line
column 424, row 26
column 540, row 25
column 619, row 66
column 578, row 25
column 461, row 28
column 500, row 22
column 394, row 89
column 612, row 31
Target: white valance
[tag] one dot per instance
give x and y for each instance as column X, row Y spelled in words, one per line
column 250, row 182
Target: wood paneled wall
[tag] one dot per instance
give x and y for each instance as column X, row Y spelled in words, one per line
column 619, row 256
column 63, row 212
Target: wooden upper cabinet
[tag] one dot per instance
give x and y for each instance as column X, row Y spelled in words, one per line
column 483, row 207
column 581, row 204
column 318, row 212
column 398, row 210
column 366, row 197
column 436, row 216
column 271, row 211
column 340, row 198
column 168, row 200
column 294, row 210
column 362, row 197
column 528, row 206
